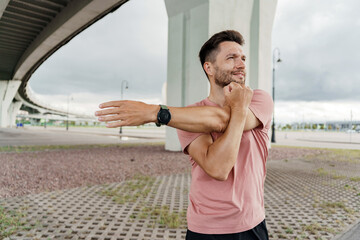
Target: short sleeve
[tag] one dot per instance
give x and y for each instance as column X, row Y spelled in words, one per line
column 185, row 138
column 262, row 106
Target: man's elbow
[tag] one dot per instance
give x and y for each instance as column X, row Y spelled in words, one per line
column 218, row 174
column 222, row 121
column 219, row 126
column 221, row 178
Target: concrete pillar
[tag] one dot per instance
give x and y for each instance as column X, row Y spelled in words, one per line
column 3, row 5
column 8, row 89
column 191, row 23
column 13, row 110
column 186, row 82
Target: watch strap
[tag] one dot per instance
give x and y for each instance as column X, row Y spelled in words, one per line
column 163, row 107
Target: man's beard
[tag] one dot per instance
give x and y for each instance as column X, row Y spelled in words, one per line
column 224, row 78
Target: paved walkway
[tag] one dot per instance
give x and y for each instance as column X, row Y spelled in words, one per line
column 304, row 199
column 318, row 139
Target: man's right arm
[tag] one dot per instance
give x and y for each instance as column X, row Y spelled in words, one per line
column 218, row 158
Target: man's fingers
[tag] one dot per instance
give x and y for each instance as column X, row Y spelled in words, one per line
column 233, row 85
column 116, row 117
column 112, row 104
column 227, row 89
column 107, row 112
column 116, row 124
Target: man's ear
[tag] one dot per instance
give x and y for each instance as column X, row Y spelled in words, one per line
column 209, row 68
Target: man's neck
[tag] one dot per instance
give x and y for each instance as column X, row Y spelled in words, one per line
column 217, row 95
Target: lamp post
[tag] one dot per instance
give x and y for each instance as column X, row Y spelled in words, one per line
column 276, row 59
column 122, row 93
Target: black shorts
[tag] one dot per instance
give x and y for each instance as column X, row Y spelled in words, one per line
column 257, row 233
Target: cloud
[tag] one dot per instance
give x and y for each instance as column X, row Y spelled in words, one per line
column 129, row 44
column 317, row 79
column 319, row 49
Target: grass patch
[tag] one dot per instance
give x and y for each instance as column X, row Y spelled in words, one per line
column 69, row 147
column 338, row 155
column 139, row 188
column 10, row 223
column 132, row 190
column 349, row 187
column 314, row 228
column 289, row 230
column 332, row 207
column 332, row 174
column 322, row 172
column 355, row 179
column 163, row 216
column 335, row 176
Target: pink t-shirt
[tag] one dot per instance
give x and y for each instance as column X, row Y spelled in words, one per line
column 237, row 204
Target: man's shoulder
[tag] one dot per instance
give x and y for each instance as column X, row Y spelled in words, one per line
column 261, row 93
column 197, row 104
column 262, row 97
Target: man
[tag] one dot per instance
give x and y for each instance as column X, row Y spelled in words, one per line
column 226, row 138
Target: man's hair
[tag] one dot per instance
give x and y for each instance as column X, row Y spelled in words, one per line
column 210, row 48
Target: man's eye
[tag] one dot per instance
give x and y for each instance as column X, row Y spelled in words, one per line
column 230, row 57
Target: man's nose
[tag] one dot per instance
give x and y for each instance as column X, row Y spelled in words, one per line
column 240, row 64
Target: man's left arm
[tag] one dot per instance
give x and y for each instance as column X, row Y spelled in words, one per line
column 203, row 119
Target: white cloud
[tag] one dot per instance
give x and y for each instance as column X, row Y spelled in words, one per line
column 319, row 49
column 129, row 44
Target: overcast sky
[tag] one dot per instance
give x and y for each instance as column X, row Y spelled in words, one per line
column 318, row 42
column 319, row 45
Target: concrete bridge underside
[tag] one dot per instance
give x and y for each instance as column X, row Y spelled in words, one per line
column 32, row 30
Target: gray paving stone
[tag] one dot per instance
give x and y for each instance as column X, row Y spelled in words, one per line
column 301, row 203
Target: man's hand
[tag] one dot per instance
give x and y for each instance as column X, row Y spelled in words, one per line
column 237, row 97
column 127, row 113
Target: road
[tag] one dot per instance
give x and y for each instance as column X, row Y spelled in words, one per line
column 87, row 135
column 76, row 135
column 318, row 139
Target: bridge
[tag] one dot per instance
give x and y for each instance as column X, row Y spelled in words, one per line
column 32, row 30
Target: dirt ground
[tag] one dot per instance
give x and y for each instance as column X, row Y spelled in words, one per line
column 23, row 173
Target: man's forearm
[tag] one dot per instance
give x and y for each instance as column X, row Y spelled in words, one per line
column 222, row 154
column 218, row 157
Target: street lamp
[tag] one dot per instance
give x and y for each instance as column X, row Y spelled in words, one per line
column 122, row 93
column 67, row 115
column 276, row 59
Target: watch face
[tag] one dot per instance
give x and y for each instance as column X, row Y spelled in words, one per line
column 164, row 116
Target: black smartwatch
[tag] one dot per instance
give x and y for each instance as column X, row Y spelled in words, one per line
column 163, row 116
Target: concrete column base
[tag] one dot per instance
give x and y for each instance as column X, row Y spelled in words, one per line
column 13, row 110
column 8, row 108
